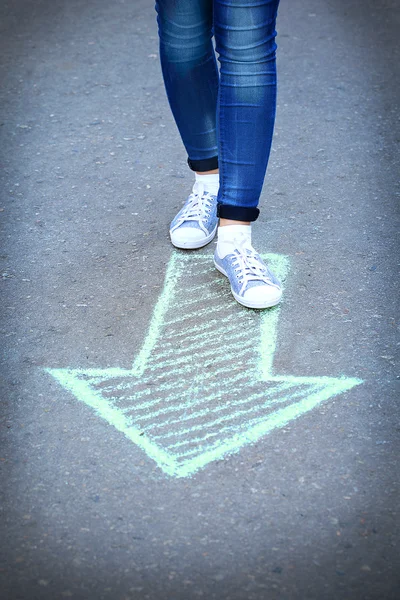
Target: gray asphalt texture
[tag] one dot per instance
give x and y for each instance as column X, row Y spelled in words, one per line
column 93, row 170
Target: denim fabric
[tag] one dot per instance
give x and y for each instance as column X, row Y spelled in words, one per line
column 227, row 116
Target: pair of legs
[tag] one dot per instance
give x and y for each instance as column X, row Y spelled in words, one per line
column 225, row 118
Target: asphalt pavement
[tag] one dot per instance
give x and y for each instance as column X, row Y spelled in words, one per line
column 158, row 441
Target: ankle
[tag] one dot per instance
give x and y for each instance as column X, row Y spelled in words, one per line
column 230, row 222
column 213, row 172
column 209, row 181
column 232, row 237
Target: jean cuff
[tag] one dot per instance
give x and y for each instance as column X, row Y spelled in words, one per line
column 237, row 213
column 204, row 164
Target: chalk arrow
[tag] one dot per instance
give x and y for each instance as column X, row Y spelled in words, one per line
column 202, row 385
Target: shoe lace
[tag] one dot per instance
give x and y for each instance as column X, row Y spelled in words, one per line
column 198, row 206
column 248, row 267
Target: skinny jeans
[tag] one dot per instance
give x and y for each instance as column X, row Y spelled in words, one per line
column 225, row 116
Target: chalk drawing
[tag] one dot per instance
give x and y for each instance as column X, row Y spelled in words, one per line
column 202, row 386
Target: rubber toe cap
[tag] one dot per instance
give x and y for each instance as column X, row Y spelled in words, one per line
column 262, row 296
column 186, row 237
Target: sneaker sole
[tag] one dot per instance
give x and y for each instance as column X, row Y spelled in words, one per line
column 191, row 245
column 244, row 302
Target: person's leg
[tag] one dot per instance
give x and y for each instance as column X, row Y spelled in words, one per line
column 191, row 80
column 190, row 75
column 245, row 41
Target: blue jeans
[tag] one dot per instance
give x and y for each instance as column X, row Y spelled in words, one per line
column 225, row 119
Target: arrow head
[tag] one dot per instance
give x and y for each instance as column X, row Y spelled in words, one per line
column 202, row 385
column 187, row 425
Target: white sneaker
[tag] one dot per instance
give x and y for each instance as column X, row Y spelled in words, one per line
column 196, row 223
column 252, row 283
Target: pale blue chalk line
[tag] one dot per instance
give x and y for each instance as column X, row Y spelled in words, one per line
column 208, row 339
column 205, row 326
column 176, row 387
column 191, row 441
column 215, row 372
column 218, row 421
column 195, row 315
column 204, row 297
column 191, row 403
column 208, row 375
column 235, row 428
column 158, row 340
column 269, row 328
column 195, row 358
column 99, row 373
column 279, row 264
column 166, row 462
column 221, row 385
column 227, row 405
column 81, row 390
column 189, row 368
column 267, row 344
column 203, row 271
column 210, row 346
column 174, row 271
column 277, row 419
column 340, row 383
column 217, row 283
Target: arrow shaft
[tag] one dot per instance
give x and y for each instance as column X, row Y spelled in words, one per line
column 195, row 320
